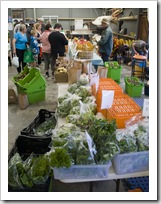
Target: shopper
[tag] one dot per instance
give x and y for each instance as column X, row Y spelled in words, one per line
column 29, row 28
column 41, row 22
column 34, row 45
column 19, row 46
column 57, row 41
column 37, row 27
column 140, row 47
column 46, row 48
column 17, row 27
column 106, row 41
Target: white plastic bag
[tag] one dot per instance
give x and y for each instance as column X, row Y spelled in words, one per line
column 15, row 61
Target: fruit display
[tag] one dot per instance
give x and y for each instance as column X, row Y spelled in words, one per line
column 83, row 44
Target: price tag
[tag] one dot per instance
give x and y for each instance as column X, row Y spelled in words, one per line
column 146, row 108
column 107, row 99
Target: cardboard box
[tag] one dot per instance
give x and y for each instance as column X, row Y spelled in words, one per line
column 61, row 77
column 23, row 101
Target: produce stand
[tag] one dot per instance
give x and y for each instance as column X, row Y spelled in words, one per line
column 62, row 89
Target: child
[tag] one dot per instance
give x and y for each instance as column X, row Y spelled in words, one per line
column 34, row 47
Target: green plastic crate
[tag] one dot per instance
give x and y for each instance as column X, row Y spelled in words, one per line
column 114, row 73
column 31, row 82
column 25, row 71
column 36, row 96
column 131, row 89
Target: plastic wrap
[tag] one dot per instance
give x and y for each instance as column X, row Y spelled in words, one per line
column 72, row 88
column 66, row 105
column 17, row 174
column 83, row 92
column 135, row 137
column 46, row 127
column 40, row 170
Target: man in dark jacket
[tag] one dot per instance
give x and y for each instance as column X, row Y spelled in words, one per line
column 106, row 41
column 57, row 41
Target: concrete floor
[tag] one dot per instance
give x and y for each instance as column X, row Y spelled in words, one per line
column 19, row 119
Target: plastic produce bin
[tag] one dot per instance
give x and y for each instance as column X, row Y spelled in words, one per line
column 82, row 171
column 123, row 108
column 131, row 89
column 42, row 116
column 137, row 182
column 131, row 162
column 25, row 145
column 114, row 70
column 33, row 84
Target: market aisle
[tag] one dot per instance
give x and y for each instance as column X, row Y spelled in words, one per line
column 19, row 119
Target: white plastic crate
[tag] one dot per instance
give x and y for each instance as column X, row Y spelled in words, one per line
column 82, row 171
column 131, row 162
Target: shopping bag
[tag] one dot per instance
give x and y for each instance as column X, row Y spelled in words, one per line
column 15, row 61
column 28, row 56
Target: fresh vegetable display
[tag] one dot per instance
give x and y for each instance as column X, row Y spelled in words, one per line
column 134, row 137
column 25, row 174
column 17, row 175
column 66, row 105
column 133, row 81
column 59, row 158
column 103, row 134
column 84, row 79
column 46, row 127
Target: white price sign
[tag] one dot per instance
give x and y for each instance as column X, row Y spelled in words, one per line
column 146, row 108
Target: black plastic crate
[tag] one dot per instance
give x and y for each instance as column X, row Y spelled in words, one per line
column 137, row 182
column 42, row 116
column 25, row 145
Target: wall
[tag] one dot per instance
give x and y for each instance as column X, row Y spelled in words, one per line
column 64, row 13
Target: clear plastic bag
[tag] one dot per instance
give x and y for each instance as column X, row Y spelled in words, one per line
column 66, row 105
column 15, row 61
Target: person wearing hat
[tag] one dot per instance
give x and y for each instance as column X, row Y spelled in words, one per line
column 106, row 42
column 41, row 22
column 29, row 28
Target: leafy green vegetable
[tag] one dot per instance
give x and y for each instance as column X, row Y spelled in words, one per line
column 46, row 127
column 59, row 158
column 40, row 170
column 24, row 178
column 103, row 133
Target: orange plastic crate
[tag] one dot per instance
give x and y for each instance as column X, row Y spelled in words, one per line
column 123, row 109
column 103, row 111
column 116, row 88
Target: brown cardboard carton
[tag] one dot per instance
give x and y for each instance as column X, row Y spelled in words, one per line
column 23, row 101
column 12, row 98
column 102, row 71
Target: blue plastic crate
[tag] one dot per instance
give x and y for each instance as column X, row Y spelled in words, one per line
column 139, row 101
column 137, row 182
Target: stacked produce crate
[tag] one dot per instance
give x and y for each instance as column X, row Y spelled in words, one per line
column 30, row 82
column 133, row 86
column 114, row 71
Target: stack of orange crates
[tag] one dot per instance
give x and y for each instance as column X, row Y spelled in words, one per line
column 105, row 84
column 123, row 108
